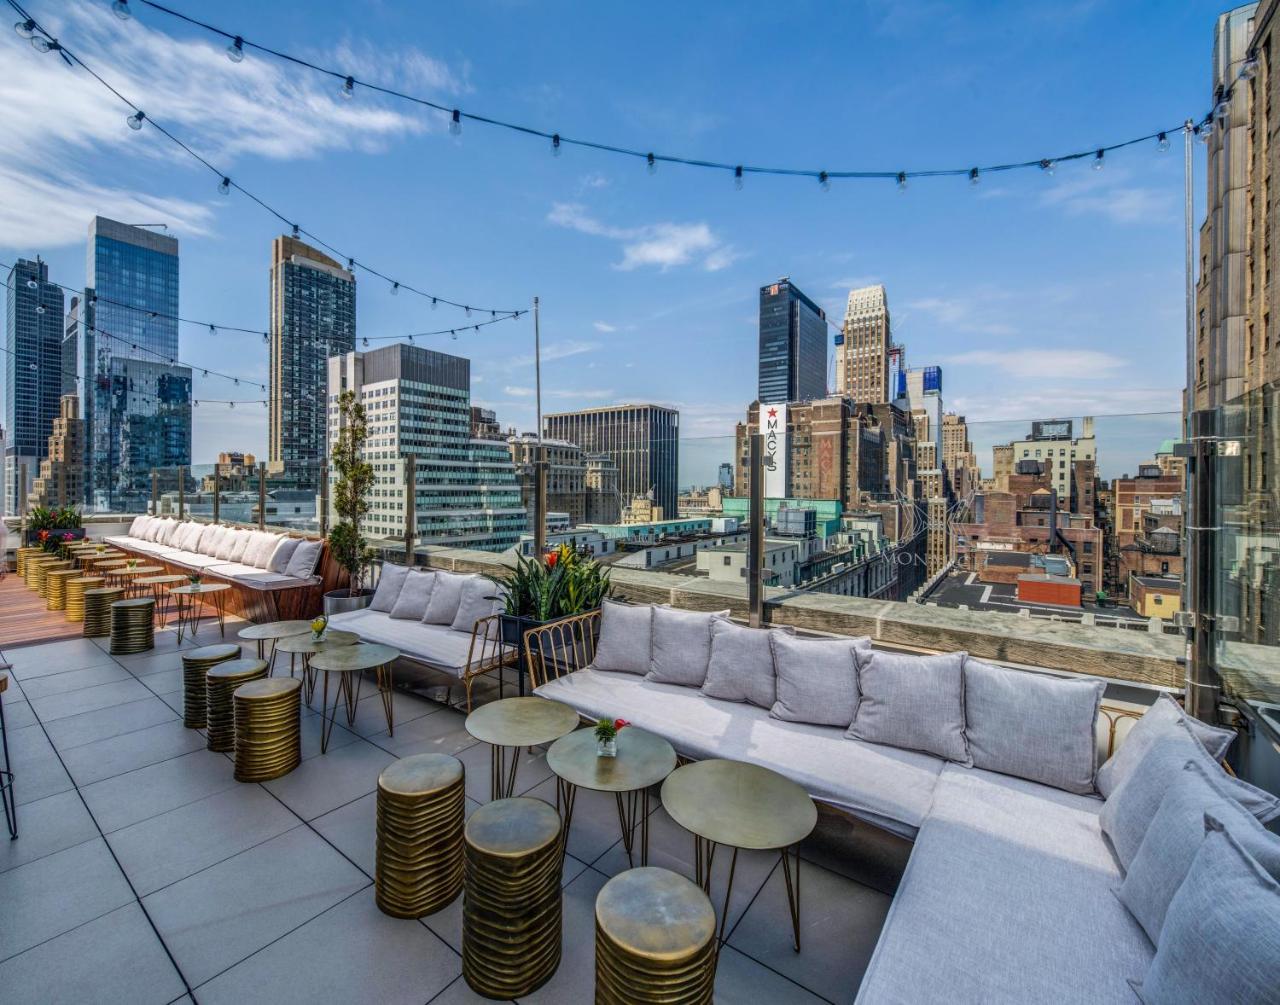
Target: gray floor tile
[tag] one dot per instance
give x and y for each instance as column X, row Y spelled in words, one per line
column 324, row 783
column 88, row 964
column 104, row 758
column 594, row 828
column 533, row 770
column 174, row 845
column 441, row 732
column 840, row 922
column 136, row 795
column 164, row 682
column 216, row 918
column 73, row 680
column 310, row 727
column 174, row 700
column 741, row 979
column 458, row 993
column 104, row 723
column 149, row 663
column 58, row 893
column 30, row 662
column 17, row 712
column 371, row 716
column 37, row 772
column 352, row 952
column 46, row 826
column 59, row 706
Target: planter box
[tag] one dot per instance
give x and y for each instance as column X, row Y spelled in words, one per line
column 342, row 601
column 33, row 536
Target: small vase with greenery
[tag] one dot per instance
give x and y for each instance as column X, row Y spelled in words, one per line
column 355, row 479
column 606, row 731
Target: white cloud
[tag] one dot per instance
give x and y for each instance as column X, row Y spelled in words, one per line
column 1084, row 364
column 855, row 283
column 54, row 180
column 594, row 180
column 603, row 327
column 972, row 314
column 662, row 245
column 1045, row 401
column 1106, row 193
column 555, row 350
column 517, row 392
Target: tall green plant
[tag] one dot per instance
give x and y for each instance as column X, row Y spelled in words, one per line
column 351, row 490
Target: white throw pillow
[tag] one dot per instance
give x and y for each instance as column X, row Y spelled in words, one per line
column 279, row 560
column 135, row 528
column 305, row 556
column 446, row 595
column 190, row 539
column 225, row 543
column 415, row 591
column 261, row 545
column 390, row 582
column 626, row 638
column 240, row 545
column 481, row 598
column 681, row 646
column 168, row 527
column 152, row 528
column 208, row 533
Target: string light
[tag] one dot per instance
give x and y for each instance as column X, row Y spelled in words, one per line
column 824, row 181
column 902, row 182
column 1249, row 69
column 1098, row 161
column 455, row 123
column 452, row 334
column 395, row 288
column 25, row 28
column 1162, row 143
column 297, row 232
column 737, row 177
column 235, row 51
column 32, row 284
column 135, row 120
column 224, row 186
column 348, row 88
column 120, row 8
column 555, row 145
column 653, row 164
column 973, row 177
column 1048, row 167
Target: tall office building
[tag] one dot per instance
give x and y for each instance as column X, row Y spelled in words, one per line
column 793, row 346
column 1051, row 442
column 71, row 350
column 642, row 440
column 61, row 479
column 864, row 348
column 313, row 317
column 137, row 399
column 33, row 371
column 418, row 402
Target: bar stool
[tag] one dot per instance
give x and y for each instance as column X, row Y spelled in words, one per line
column 220, row 682
column 56, row 588
column 37, row 567
column 421, row 815
column 74, row 607
column 97, row 610
column 268, row 714
column 655, row 940
column 196, row 663
column 511, row 908
column 132, row 626
column 6, row 774
column 20, row 559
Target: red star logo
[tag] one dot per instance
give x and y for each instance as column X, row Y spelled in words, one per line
column 773, row 413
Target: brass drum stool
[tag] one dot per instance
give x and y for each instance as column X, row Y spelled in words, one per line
column 55, row 598
column 74, row 607
column 421, row 814
column 195, row 664
column 97, row 609
column 220, row 682
column 511, row 909
column 131, row 626
column 268, row 735
column 655, row 940
column 21, row 555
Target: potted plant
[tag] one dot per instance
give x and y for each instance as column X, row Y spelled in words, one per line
column 561, row 583
column 54, row 523
column 350, row 506
column 318, row 625
column 606, row 731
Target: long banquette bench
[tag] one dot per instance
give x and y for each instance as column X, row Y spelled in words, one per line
column 1035, row 874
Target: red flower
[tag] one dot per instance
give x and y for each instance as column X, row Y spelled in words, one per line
column 43, row 535
column 68, row 536
column 620, row 723
column 552, row 557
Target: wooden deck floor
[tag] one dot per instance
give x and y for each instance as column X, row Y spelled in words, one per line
column 24, row 620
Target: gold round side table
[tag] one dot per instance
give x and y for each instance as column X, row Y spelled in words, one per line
column 74, row 608
column 132, row 626
column 220, row 682
column 195, row 664
column 655, row 940
column 56, row 588
column 511, row 905
column 420, row 817
column 268, row 734
column 97, row 610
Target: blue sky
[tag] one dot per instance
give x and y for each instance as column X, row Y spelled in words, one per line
column 1039, row 296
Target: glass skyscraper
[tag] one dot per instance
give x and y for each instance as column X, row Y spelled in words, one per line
column 137, row 399
column 32, row 371
column 793, row 345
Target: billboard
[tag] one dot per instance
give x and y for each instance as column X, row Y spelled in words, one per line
column 773, row 430
column 933, row 379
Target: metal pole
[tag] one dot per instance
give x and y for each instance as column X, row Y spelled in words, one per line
column 537, row 363
column 755, row 516
column 182, row 494
column 155, row 492
column 1189, row 278
column 217, row 491
column 540, row 500
column 410, row 508
column 262, row 495
column 324, row 498
column 21, row 494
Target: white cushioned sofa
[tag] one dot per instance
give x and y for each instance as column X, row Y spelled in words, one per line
column 1016, row 885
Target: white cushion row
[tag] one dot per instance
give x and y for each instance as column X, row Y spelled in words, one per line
column 258, row 559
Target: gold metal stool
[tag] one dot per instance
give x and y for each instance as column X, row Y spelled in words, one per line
column 511, row 907
column 268, row 732
column 21, row 555
column 220, row 682
column 97, row 609
column 655, row 940
column 74, row 607
column 132, row 624
column 36, row 568
column 196, row 663
column 42, row 574
column 421, row 815
column 55, row 598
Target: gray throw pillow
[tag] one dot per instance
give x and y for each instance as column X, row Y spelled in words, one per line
column 1032, row 726
column 1177, row 830
column 681, row 646
column 626, row 638
column 1128, row 811
column 817, row 679
column 1159, row 719
column 305, row 557
column 913, row 702
column 1220, row 944
column 279, row 560
column 390, row 582
column 446, row 595
column 411, row 601
column 479, row 600
column 741, row 664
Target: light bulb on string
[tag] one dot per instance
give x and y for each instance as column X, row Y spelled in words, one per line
column 455, row 123
column 973, row 177
column 366, row 342
column 351, row 265
column 737, row 178
column 135, row 120
column 235, row 51
column 213, row 330
column 32, row 284
column 266, row 339
column 231, row 404
column 1249, row 69
column 25, row 29
column 297, row 232
column 433, row 303
column 652, row 163
column 1222, row 110
column 902, row 183
column 348, row 88
column 32, row 367
column 467, row 311
column 824, row 181
column 555, row 145
column 120, row 8
column 453, row 334
column 39, row 308
column 1162, row 143
column 411, row 340
column 1048, row 166
column 395, row 289
column 1099, row 161
column 41, row 44
column 224, row 186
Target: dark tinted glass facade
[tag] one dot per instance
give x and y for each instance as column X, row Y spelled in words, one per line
column 793, row 345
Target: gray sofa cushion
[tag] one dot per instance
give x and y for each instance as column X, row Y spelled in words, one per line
column 1159, row 719
column 438, row 646
column 390, row 581
column 817, row 680
column 481, row 598
column 1032, row 726
column 681, row 646
column 890, row 788
column 1006, row 900
column 302, row 564
column 411, row 601
column 1220, row 944
column 1176, row 833
column 1128, row 811
column 279, row 560
column 446, row 595
column 916, row 702
column 741, row 664
column 626, row 638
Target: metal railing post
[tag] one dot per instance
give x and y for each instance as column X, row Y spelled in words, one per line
column 217, row 492
column 410, row 508
column 262, row 495
column 182, row 494
column 755, row 542
column 21, row 494
column 324, row 498
column 540, row 501
column 155, row 492
column 1203, row 685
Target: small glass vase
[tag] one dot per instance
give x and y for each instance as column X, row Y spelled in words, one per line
column 607, row 748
